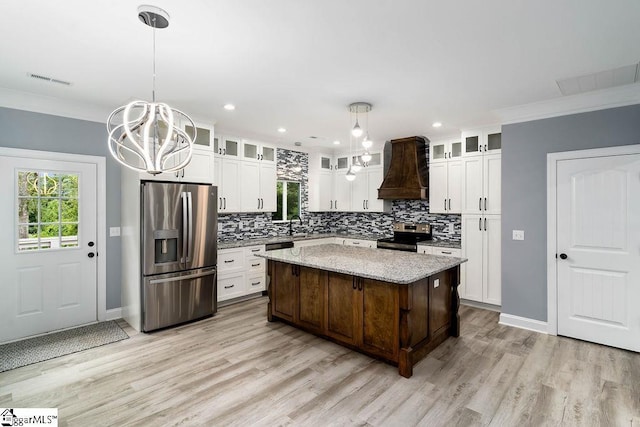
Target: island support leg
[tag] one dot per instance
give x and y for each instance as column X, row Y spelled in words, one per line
column 454, row 330
column 405, row 360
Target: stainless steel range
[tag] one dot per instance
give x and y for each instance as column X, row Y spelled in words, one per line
column 406, row 237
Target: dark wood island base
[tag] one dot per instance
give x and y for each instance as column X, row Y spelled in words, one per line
column 397, row 323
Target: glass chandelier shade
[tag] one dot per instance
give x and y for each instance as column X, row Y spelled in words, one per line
column 149, row 136
column 366, row 156
column 366, row 142
column 350, row 175
column 357, row 130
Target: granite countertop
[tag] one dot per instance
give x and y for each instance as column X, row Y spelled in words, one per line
column 441, row 244
column 285, row 238
column 388, row 266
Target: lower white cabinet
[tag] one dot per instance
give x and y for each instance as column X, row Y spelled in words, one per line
column 438, row 250
column 240, row 272
column 481, row 276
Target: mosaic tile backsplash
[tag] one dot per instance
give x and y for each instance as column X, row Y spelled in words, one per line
column 260, row 225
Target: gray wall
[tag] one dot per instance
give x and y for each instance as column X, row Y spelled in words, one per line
column 524, row 194
column 34, row 131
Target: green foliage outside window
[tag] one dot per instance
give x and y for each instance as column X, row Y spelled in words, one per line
column 288, row 198
column 47, row 209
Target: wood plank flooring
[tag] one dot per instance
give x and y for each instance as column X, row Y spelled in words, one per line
column 238, row 369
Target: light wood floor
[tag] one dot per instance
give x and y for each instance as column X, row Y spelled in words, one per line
column 238, row 369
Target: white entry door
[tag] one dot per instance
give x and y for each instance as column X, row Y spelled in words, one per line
column 47, row 246
column 598, row 247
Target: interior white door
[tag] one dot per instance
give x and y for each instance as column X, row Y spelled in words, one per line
column 47, row 246
column 598, row 247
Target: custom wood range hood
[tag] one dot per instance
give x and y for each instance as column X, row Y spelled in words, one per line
column 407, row 176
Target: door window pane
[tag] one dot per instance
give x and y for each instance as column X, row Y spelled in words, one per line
column 47, row 207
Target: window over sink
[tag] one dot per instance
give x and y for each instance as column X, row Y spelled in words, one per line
column 288, row 200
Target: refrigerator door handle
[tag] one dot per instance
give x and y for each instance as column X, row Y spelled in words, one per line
column 185, row 237
column 189, row 227
column 179, row 278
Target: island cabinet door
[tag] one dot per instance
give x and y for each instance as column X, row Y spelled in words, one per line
column 380, row 318
column 311, row 298
column 440, row 302
column 344, row 321
column 283, row 290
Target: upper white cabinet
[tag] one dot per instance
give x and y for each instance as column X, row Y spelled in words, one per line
column 481, row 141
column 441, row 151
column 200, row 169
column 204, row 136
column 228, row 147
column 258, row 183
column 329, row 189
column 481, row 179
column 258, row 152
column 445, row 177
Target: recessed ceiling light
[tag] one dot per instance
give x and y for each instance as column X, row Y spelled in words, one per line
column 229, row 107
column 336, row 142
column 436, row 124
column 282, row 130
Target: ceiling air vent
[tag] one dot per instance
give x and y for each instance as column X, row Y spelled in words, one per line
column 48, row 79
column 602, row 80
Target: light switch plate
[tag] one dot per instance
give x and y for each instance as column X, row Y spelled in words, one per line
column 518, row 234
column 436, row 283
column 114, row 231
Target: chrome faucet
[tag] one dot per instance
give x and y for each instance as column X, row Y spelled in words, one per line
column 291, row 223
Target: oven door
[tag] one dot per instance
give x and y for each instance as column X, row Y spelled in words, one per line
column 396, row 246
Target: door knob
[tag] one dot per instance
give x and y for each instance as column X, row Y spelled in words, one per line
column 90, row 244
column 91, row 254
column 563, row 256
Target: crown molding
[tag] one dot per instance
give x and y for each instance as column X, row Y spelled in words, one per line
column 27, row 101
column 581, row 103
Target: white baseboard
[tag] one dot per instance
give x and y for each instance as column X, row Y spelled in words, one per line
column 523, row 323
column 114, row 313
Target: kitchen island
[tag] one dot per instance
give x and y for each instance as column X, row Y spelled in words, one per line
column 392, row 305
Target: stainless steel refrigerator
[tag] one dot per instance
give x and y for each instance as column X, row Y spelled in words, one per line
column 179, row 234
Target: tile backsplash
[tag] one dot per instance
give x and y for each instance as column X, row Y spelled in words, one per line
column 257, row 225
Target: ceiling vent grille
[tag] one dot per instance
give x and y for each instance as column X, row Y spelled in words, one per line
column 48, row 79
column 628, row 74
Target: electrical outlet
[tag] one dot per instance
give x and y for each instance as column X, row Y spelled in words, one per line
column 450, row 228
column 518, row 235
column 240, row 225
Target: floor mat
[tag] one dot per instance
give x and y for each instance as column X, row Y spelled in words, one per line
column 33, row 350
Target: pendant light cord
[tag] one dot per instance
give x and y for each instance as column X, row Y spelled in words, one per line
column 153, row 90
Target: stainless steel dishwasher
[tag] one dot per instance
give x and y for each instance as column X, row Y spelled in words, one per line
column 272, row 247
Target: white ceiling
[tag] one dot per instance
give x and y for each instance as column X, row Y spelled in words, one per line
column 299, row 63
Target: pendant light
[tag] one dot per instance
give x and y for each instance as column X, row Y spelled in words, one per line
column 148, row 136
column 350, row 175
column 366, row 157
column 356, row 166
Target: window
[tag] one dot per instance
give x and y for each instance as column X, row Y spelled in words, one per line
column 288, row 194
column 47, row 208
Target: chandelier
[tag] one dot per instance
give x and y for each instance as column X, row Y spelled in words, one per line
column 356, row 132
column 148, row 136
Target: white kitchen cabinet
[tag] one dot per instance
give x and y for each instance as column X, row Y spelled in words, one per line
column 445, row 187
column 364, row 190
column 228, row 147
column 442, row 151
column 253, row 151
column 481, row 185
column 200, row 170
column 480, row 275
column 478, row 142
column 258, row 186
column 204, row 136
column 439, row 250
column 240, row 272
column 229, row 189
column 341, row 192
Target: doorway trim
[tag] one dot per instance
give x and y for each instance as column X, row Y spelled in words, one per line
column 552, row 160
column 101, row 220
